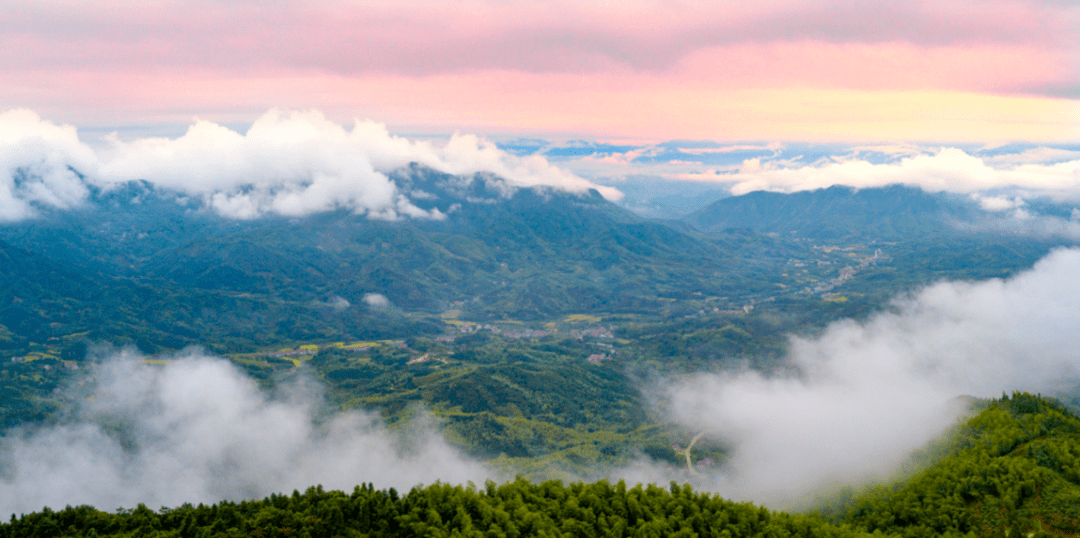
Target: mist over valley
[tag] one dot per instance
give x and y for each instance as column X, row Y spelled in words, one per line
column 290, row 311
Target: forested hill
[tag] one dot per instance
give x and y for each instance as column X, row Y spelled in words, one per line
column 885, row 213
column 143, row 265
column 1012, row 470
column 510, row 510
column 194, row 277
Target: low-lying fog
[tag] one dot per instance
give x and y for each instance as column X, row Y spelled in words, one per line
column 198, row 430
column 871, row 393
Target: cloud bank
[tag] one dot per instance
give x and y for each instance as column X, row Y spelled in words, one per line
column 948, row 169
column 999, row 180
column 36, row 161
column 197, row 430
column 870, row 393
column 287, row 163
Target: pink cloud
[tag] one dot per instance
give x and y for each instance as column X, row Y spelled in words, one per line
column 614, row 105
column 557, row 66
column 427, row 37
column 882, row 66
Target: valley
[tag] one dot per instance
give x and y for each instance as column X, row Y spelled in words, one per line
column 540, row 332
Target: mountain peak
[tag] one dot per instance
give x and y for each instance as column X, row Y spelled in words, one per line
column 835, row 212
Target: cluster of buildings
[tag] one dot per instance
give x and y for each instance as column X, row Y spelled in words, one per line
column 744, row 310
column 599, row 332
column 847, row 273
column 47, row 361
column 597, row 358
column 527, row 333
column 467, row 327
column 291, row 353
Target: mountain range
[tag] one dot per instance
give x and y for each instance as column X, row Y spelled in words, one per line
column 149, row 266
column 889, row 213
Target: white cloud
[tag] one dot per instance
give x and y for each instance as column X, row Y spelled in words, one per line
column 197, row 430
column 377, row 300
column 909, row 150
column 775, row 146
column 1021, row 222
column 949, row 169
column 35, row 157
column 869, row 393
column 1037, row 172
column 997, row 203
column 1034, row 156
column 289, row 163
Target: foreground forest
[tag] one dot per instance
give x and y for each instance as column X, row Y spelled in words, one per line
column 1011, row 470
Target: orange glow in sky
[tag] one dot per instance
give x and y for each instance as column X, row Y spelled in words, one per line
column 951, row 70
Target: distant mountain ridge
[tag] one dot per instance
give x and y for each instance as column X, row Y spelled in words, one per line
column 888, row 213
column 167, row 270
column 151, row 266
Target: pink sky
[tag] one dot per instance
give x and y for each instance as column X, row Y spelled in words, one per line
column 945, row 70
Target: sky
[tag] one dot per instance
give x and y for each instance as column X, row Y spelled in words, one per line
column 661, row 106
column 949, row 71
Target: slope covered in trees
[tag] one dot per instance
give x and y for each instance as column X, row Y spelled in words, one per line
column 143, row 265
column 138, row 264
column 514, row 509
column 887, row 213
column 1012, row 470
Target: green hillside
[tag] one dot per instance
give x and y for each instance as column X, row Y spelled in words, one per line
column 146, row 266
column 49, row 305
column 838, row 212
column 1014, row 469
column 514, row 509
column 139, row 265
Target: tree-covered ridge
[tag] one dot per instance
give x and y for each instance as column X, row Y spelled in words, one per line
column 146, row 266
column 1012, row 470
column 533, row 405
column 891, row 213
column 511, row 510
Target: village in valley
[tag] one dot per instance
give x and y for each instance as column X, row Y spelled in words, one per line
column 822, row 275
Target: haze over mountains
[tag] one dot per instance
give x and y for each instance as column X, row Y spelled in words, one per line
column 140, row 255
column 503, row 251
column 891, row 213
